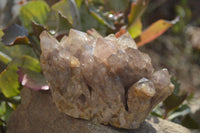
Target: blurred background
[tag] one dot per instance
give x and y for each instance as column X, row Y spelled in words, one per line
column 177, row 49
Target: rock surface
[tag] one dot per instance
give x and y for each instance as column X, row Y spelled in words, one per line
column 38, row 114
column 106, row 80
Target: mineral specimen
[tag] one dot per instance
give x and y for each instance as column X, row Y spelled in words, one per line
column 107, row 80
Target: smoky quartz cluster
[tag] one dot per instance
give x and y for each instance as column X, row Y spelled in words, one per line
column 103, row 79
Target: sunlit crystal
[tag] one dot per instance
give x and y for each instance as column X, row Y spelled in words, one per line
column 107, row 80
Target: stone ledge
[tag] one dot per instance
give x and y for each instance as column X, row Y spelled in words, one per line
column 38, row 114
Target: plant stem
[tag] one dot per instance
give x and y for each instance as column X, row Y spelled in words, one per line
column 165, row 114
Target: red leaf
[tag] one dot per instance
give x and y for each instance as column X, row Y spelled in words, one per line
column 22, row 2
column 120, row 32
column 15, row 34
column 93, row 33
column 154, row 31
column 32, row 79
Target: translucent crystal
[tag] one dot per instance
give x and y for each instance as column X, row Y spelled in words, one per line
column 126, row 41
column 49, row 42
column 77, row 40
column 107, row 80
column 104, row 48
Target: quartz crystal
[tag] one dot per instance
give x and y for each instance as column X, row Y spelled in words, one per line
column 106, row 80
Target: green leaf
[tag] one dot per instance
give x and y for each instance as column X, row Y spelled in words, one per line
column 8, row 112
column 17, row 50
column 189, row 122
column 88, row 22
column 5, row 111
column 154, row 31
column 64, row 25
column 137, row 9
column 63, row 8
column 4, row 58
column 3, row 66
column 116, row 5
column 173, row 101
column 14, row 101
column 136, row 29
column 75, row 14
column 157, row 111
column 101, row 17
column 29, row 63
column 176, row 86
column 9, row 84
column 78, row 3
column 182, row 111
column 15, row 34
column 69, row 10
column 62, row 17
column 34, row 11
column 2, row 108
column 1, row 33
column 37, row 29
column 32, row 79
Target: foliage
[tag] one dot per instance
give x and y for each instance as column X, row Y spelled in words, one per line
column 21, row 58
column 184, row 12
column 175, row 107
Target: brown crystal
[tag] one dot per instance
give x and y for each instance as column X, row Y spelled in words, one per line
column 107, row 80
